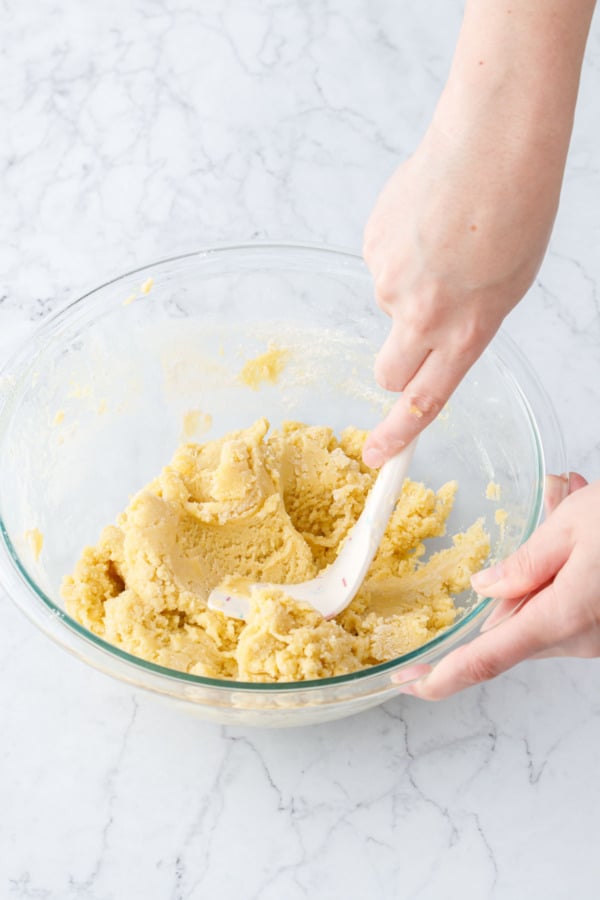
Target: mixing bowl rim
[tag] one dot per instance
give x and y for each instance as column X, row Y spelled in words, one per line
column 83, row 634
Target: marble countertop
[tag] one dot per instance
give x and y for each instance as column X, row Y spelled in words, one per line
column 135, row 131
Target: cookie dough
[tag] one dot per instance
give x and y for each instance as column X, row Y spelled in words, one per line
column 269, row 507
column 493, row 491
column 35, row 539
column 265, row 368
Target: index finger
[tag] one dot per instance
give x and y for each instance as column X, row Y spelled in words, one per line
column 423, row 398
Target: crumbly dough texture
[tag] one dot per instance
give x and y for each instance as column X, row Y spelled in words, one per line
column 274, row 508
column 265, row 368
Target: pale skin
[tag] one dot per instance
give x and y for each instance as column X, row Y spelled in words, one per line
column 454, row 242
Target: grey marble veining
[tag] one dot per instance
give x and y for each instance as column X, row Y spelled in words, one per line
column 135, row 131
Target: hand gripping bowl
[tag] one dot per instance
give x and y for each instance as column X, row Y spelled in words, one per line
column 91, row 409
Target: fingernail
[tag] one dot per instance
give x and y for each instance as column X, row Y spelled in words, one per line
column 373, row 457
column 486, row 578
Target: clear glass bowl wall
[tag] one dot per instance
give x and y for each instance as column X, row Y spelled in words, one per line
column 92, row 409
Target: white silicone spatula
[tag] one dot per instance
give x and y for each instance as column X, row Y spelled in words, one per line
column 334, row 588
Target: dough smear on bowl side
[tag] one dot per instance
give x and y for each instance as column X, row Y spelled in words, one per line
column 271, row 507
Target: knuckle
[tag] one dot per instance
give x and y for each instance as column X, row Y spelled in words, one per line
column 424, row 307
column 525, row 562
column 368, row 248
column 574, row 620
column 381, row 303
column 480, row 668
column 416, row 320
column 385, row 291
column 423, row 405
column 433, row 292
column 387, row 375
column 392, row 366
column 472, row 335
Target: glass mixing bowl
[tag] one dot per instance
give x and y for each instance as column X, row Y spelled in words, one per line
column 92, row 408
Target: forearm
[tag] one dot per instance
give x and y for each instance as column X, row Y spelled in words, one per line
column 460, row 230
column 518, row 62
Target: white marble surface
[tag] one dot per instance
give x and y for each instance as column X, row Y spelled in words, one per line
column 132, row 131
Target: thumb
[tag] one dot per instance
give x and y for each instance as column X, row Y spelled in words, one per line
column 532, row 565
column 526, row 634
